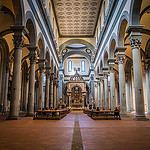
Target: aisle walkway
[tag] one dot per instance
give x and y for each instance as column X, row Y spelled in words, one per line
column 74, row 132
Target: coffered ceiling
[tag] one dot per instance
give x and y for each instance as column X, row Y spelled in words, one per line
column 76, row 17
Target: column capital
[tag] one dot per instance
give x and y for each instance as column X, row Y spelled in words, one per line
column 105, row 70
column 120, row 54
column 32, row 54
column 135, row 35
column 105, row 76
column 121, row 58
column 101, row 77
column 18, row 36
column 111, row 65
column 41, row 63
column 48, row 70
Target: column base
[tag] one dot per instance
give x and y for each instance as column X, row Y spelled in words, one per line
column 141, row 118
column 29, row 115
column 13, row 118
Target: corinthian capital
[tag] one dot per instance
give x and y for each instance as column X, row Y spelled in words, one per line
column 111, row 64
column 33, row 53
column 18, row 36
column 121, row 58
column 135, row 41
column 135, row 35
column 120, row 54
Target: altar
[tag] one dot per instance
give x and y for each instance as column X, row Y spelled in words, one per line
column 76, row 90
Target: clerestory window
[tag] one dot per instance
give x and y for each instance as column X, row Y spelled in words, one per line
column 69, row 66
column 82, row 66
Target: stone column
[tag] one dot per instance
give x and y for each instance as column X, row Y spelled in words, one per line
column 69, row 94
column 128, row 92
column 106, row 90
column 102, row 91
column 112, row 83
column 92, row 89
column 61, row 82
column 54, row 94
column 122, row 90
column 41, row 96
column 47, row 87
column 147, row 67
column 51, row 90
column 32, row 57
column 57, row 94
column 83, row 101
column 99, row 96
column 135, row 42
column 16, row 80
column 96, row 94
column 6, row 89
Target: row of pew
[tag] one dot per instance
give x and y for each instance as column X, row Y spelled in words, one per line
column 103, row 114
column 50, row 114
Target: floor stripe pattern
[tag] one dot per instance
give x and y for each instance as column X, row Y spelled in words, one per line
column 77, row 138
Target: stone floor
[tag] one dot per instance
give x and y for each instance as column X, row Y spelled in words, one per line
column 75, row 131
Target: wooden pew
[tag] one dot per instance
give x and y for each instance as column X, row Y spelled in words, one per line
column 50, row 114
column 103, row 114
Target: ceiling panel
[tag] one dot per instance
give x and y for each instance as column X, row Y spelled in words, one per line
column 76, row 17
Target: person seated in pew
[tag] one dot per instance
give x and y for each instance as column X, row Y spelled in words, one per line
column 93, row 109
column 116, row 113
column 97, row 109
column 46, row 108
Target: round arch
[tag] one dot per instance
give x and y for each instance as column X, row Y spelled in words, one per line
column 76, row 52
column 124, row 21
column 19, row 12
column 134, row 17
column 105, row 59
column 31, row 26
column 41, row 45
column 72, row 41
column 112, row 45
column 47, row 58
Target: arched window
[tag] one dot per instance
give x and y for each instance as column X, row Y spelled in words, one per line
column 82, row 66
column 69, row 66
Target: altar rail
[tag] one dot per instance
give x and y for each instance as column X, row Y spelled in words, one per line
column 103, row 114
column 50, row 114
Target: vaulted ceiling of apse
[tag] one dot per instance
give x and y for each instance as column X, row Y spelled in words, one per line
column 77, row 18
